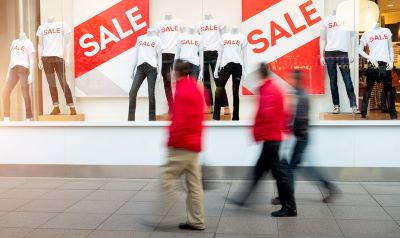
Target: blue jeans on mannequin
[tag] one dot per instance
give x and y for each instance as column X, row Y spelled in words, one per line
column 334, row 59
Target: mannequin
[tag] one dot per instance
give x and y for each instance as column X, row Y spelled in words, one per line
column 54, row 56
column 190, row 48
column 232, row 60
column 335, row 46
column 168, row 30
column 147, row 62
column 20, row 70
column 211, row 30
column 380, row 63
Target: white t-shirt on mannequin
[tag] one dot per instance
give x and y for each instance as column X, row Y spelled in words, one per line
column 169, row 31
column 210, row 30
column 147, row 47
column 190, row 45
column 232, row 45
column 337, row 39
column 53, row 38
column 378, row 43
column 20, row 52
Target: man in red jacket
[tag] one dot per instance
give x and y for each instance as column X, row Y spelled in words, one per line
column 185, row 143
column 268, row 127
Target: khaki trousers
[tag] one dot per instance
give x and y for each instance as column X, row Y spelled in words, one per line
column 184, row 162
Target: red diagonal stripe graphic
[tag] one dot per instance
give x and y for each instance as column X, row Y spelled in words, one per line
column 251, row 8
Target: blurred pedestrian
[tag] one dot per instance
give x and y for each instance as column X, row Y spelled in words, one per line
column 268, row 129
column 300, row 126
column 184, row 145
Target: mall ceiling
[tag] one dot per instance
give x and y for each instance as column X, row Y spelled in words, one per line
column 389, row 5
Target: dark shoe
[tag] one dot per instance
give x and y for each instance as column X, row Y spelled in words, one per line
column 284, row 213
column 393, row 116
column 72, row 111
column 216, row 117
column 235, row 118
column 236, row 202
column 185, row 226
column 364, row 116
column 56, row 111
column 276, row 201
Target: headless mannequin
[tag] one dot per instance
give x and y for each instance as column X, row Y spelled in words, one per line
column 192, row 31
column 230, row 69
column 142, row 70
column 64, row 62
column 22, row 36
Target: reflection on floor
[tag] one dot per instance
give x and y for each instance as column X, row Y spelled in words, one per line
column 116, row 208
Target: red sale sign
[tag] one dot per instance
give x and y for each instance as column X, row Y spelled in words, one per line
column 284, row 33
column 102, row 45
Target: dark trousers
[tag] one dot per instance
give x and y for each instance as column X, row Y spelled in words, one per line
column 17, row 74
column 297, row 158
column 210, row 60
column 234, row 70
column 143, row 71
column 380, row 74
column 340, row 59
column 55, row 65
column 167, row 64
column 195, row 70
column 269, row 160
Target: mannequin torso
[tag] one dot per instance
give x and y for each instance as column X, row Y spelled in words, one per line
column 211, row 30
column 169, row 30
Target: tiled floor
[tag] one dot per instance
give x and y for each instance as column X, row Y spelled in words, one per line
column 105, row 208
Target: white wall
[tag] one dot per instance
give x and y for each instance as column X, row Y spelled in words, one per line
column 191, row 11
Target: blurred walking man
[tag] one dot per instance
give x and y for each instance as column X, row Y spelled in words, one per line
column 268, row 128
column 184, row 145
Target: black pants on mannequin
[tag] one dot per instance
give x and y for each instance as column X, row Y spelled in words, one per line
column 143, row 71
column 167, row 64
column 17, row 74
column 380, row 74
column 210, row 60
column 234, row 70
column 52, row 66
column 269, row 160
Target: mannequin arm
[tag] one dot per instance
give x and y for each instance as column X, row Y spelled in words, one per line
column 135, row 60
column 201, row 56
column 219, row 62
column 68, row 51
column 177, row 56
column 391, row 55
column 8, row 72
column 31, row 68
column 352, row 47
column 40, row 52
column 244, row 66
column 366, row 56
column 159, row 66
column 322, row 44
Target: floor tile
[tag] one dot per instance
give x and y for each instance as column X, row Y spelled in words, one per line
column 25, row 219
column 170, row 224
column 388, row 200
column 244, row 236
column 250, row 225
column 151, row 196
column 182, row 235
column 314, row 212
column 12, row 204
column 309, row 199
column 11, row 183
column 144, row 208
column 355, row 200
column 129, row 186
column 359, row 213
column 119, row 234
column 369, row 229
column 83, row 184
column 383, row 189
column 210, row 209
column 394, row 212
column 53, row 233
column 14, row 232
column 75, row 221
column 106, row 207
column 307, row 188
column 108, row 195
column 217, row 187
column 131, row 222
column 66, row 194
column 254, row 198
column 47, row 206
column 42, row 184
column 255, row 210
column 24, row 193
column 263, row 187
column 348, row 188
column 308, row 227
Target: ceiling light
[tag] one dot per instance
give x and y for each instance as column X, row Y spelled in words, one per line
column 390, row 5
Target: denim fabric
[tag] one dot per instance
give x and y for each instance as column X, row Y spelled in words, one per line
column 210, row 60
column 166, row 68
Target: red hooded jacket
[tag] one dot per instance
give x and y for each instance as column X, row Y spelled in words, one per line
column 270, row 118
column 186, row 129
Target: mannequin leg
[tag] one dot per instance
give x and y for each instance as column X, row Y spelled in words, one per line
column 137, row 82
column 10, row 85
column 236, row 77
column 345, row 71
column 49, row 69
column 224, row 76
column 372, row 75
column 59, row 65
column 331, row 65
column 224, row 96
column 207, row 81
column 390, row 99
column 167, row 64
column 151, row 81
column 23, row 79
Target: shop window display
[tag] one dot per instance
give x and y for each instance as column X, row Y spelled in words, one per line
column 96, row 61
